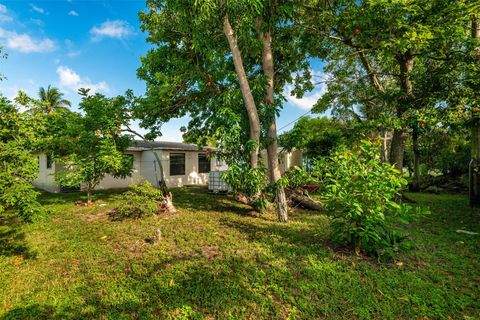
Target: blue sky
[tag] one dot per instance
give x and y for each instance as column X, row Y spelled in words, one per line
column 86, row 43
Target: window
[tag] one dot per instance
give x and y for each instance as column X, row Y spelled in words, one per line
column 49, row 161
column 177, row 164
column 203, row 163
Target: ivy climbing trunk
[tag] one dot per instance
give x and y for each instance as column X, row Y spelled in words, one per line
column 253, row 119
column 474, row 176
column 272, row 144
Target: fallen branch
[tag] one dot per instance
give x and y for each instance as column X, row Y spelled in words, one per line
column 301, row 198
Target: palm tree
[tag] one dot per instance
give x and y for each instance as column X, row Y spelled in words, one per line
column 51, row 99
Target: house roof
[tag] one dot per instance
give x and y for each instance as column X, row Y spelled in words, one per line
column 143, row 145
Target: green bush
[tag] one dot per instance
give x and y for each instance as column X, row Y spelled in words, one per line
column 360, row 193
column 142, row 199
column 297, row 177
column 249, row 181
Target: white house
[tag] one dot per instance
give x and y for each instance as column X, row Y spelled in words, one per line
column 183, row 164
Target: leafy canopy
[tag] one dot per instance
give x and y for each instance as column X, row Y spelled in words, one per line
column 19, row 167
column 90, row 145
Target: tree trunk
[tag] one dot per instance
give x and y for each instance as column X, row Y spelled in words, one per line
column 272, row 144
column 474, row 176
column 301, row 198
column 371, row 73
column 405, row 61
column 384, row 155
column 89, row 194
column 162, row 185
column 377, row 84
column 397, row 148
column 416, row 161
column 253, row 119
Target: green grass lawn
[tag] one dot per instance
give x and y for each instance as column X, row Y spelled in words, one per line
column 219, row 260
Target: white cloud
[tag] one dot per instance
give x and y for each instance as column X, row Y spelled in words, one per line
column 38, row 22
column 73, row 13
column 117, row 29
column 25, row 43
column 70, row 80
column 73, row 54
column 37, row 9
column 309, row 98
column 4, row 17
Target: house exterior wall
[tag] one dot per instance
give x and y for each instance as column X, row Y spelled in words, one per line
column 150, row 169
column 146, row 167
column 191, row 176
column 109, row 182
column 295, row 158
column 286, row 160
column 45, row 179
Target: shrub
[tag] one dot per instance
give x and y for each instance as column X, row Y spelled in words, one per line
column 360, row 192
column 142, row 199
column 249, row 181
column 297, row 177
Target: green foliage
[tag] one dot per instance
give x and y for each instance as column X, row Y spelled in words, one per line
column 18, row 167
column 360, row 192
column 445, row 150
column 199, row 77
column 297, row 177
column 315, row 136
column 249, row 181
column 90, row 145
column 142, row 199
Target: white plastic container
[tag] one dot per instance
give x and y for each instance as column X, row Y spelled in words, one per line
column 216, row 183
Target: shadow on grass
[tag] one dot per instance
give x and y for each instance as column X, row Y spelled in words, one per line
column 12, row 238
column 271, row 283
column 217, row 288
column 48, row 199
column 285, row 240
column 198, row 198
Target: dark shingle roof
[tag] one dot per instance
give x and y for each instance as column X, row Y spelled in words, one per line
column 140, row 144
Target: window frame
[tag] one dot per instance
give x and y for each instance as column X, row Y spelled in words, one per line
column 171, row 163
column 208, row 162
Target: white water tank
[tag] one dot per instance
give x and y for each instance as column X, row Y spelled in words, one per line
column 216, row 183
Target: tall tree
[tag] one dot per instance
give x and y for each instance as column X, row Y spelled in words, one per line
column 221, row 54
column 18, row 166
column 90, row 145
column 389, row 61
column 249, row 101
column 51, row 99
column 475, row 179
